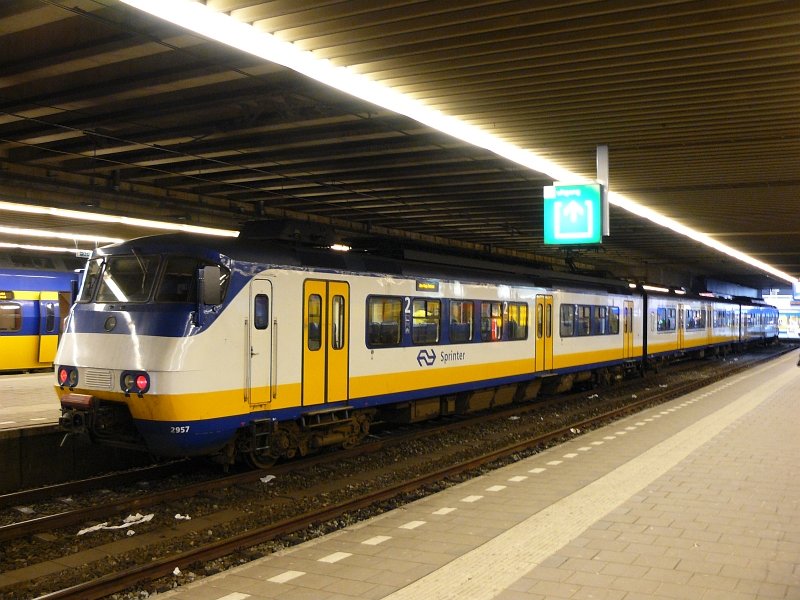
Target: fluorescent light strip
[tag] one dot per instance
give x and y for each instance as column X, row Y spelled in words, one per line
column 102, row 218
column 45, row 233
column 36, row 248
column 221, row 27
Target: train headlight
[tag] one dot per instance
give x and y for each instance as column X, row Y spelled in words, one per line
column 67, row 376
column 135, row 382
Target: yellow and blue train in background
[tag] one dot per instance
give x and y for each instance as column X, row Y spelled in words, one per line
column 237, row 348
column 34, row 303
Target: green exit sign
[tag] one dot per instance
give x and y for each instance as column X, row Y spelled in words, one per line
column 573, row 214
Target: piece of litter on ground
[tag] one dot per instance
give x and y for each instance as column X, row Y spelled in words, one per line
column 267, row 479
column 176, row 572
column 129, row 521
column 180, row 517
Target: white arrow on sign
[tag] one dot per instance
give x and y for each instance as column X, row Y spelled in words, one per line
column 573, row 210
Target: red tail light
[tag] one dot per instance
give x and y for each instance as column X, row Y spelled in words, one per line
column 134, row 382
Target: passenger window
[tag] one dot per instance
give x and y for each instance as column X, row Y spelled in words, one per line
column 491, row 321
column 517, row 321
column 613, row 320
column 261, row 311
column 600, row 320
column 383, row 327
column 10, row 316
column 314, row 322
column 461, row 320
column 567, row 321
column 425, row 321
column 337, row 322
column 583, row 321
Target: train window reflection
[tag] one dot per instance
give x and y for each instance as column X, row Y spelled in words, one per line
column 128, row 279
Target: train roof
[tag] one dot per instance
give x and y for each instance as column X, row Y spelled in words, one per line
column 399, row 261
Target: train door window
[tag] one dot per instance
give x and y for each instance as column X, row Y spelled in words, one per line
column 491, row 321
column 461, row 320
column 49, row 318
column 10, row 317
column 261, row 311
column 567, row 320
column 613, row 320
column 337, row 321
column 314, row 322
column 548, row 322
column 383, row 327
column 518, row 321
column 425, row 321
column 539, row 320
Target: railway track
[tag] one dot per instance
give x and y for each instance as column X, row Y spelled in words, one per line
column 333, row 508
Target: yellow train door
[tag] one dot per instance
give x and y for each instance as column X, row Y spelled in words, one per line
column 49, row 321
column 681, row 327
column 326, row 327
column 627, row 330
column 544, row 333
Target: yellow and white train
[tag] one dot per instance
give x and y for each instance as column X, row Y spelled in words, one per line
column 182, row 347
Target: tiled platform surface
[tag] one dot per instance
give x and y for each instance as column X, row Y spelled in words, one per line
column 698, row 499
column 28, row 399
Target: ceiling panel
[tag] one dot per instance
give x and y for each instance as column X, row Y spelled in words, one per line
column 106, row 109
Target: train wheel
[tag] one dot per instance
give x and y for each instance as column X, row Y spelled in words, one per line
column 260, row 460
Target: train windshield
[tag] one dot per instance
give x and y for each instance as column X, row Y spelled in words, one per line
column 128, row 278
column 132, row 278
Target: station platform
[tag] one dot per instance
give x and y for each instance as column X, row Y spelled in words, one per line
column 696, row 499
column 28, row 399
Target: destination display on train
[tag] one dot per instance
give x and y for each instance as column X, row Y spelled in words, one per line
column 5, row 295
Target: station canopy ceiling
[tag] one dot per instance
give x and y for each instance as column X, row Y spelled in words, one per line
column 106, row 109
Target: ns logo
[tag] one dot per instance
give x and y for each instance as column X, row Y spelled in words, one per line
column 426, row 358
